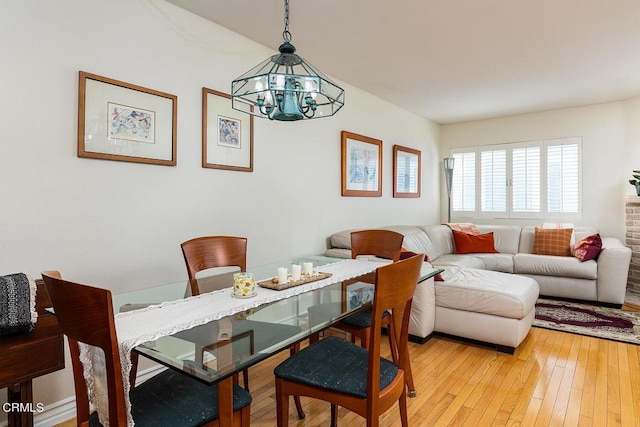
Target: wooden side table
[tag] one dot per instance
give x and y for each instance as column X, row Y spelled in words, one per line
column 26, row 356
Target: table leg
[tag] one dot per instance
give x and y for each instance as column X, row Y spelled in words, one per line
column 225, row 402
column 22, row 394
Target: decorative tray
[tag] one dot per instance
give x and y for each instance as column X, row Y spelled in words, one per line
column 269, row 284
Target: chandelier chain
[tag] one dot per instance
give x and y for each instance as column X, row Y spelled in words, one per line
column 286, row 35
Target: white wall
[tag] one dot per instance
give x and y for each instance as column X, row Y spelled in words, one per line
column 119, row 225
column 610, row 145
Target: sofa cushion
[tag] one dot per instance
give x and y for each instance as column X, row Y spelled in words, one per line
column 488, row 292
column 553, row 241
column 342, row 240
column 442, row 239
column 473, row 243
column 415, row 239
column 547, row 265
column 506, row 238
column 493, row 262
column 453, row 260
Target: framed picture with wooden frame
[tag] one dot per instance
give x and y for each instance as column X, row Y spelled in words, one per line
column 361, row 165
column 126, row 122
column 227, row 134
column 406, row 172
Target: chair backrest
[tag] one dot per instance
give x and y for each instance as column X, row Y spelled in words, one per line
column 85, row 315
column 394, row 289
column 206, row 252
column 381, row 243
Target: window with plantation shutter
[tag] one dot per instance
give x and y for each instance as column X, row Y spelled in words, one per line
column 526, row 180
column 536, row 179
column 463, row 185
column 493, row 181
column 563, row 176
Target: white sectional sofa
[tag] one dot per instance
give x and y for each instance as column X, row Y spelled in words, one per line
column 490, row 297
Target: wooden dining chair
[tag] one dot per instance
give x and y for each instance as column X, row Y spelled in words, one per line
column 202, row 253
column 85, row 315
column 384, row 244
column 345, row 374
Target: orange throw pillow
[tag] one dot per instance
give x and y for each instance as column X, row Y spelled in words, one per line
column 473, row 243
column 552, row 241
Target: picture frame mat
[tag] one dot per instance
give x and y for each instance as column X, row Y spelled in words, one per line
column 94, row 140
column 361, row 165
column 217, row 104
column 407, row 185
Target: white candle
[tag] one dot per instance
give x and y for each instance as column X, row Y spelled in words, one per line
column 307, row 268
column 295, row 272
column 282, row 275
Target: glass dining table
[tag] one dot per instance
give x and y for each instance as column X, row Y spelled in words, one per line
column 215, row 351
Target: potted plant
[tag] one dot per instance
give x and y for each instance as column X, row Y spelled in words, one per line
column 636, row 181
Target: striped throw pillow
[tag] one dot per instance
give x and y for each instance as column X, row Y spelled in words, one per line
column 552, row 241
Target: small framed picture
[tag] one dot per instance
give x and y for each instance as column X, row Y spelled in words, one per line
column 227, row 134
column 359, row 293
column 406, row 172
column 126, row 122
column 361, row 165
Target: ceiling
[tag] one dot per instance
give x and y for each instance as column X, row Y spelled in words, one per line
column 456, row 60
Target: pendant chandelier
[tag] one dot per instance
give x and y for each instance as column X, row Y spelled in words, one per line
column 285, row 87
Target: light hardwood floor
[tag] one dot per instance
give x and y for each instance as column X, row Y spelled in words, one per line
column 552, row 379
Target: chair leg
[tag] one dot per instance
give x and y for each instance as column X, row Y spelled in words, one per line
column 314, row 338
column 245, row 378
column 403, row 410
column 412, row 392
column 282, row 405
column 245, row 416
column 364, row 338
column 334, row 415
column 296, row 399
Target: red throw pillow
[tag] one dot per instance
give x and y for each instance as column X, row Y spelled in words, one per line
column 588, row 248
column 472, row 244
column 408, row 254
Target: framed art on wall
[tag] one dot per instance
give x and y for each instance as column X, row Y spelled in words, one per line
column 361, row 165
column 126, row 122
column 227, row 134
column 406, row 172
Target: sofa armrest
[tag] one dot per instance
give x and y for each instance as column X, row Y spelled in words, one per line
column 613, row 269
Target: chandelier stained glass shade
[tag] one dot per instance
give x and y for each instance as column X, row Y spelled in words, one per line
column 285, row 87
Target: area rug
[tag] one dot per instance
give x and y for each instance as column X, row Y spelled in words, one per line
column 584, row 319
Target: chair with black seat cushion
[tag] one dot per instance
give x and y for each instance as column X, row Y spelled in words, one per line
column 85, row 315
column 385, row 244
column 207, row 252
column 345, row 374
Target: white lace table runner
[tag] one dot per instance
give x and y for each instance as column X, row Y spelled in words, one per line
column 150, row 323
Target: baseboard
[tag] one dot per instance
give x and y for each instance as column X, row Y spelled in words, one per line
column 419, row 340
column 498, row 347
column 65, row 409
column 584, row 301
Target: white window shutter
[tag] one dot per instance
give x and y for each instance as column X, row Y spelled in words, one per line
column 493, row 181
column 563, row 178
column 526, row 180
column 463, row 188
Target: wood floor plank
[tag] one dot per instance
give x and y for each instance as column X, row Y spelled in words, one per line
column 613, row 378
column 627, row 417
column 600, row 409
column 588, row 392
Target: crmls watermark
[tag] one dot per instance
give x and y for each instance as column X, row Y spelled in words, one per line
column 23, row 407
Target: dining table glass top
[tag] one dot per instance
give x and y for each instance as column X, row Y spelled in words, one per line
column 218, row 349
